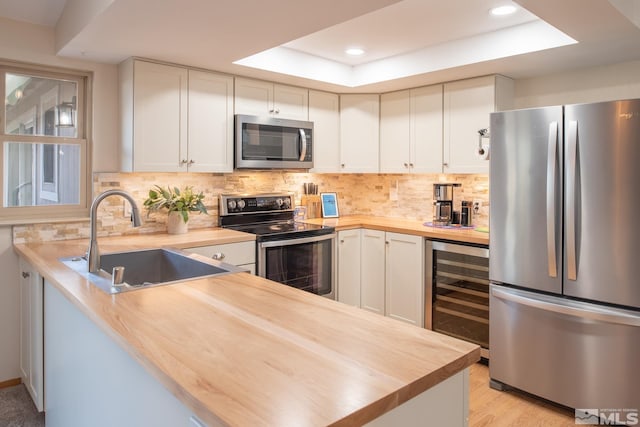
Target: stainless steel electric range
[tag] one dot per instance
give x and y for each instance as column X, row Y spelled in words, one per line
column 293, row 253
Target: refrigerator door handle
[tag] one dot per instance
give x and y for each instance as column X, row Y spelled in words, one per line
column 551, row 198
column 572, row 145
column 573, row 308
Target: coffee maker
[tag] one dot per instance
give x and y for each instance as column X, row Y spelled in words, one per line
column 443, row 203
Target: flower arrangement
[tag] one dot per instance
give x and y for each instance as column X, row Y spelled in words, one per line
column 175, row 200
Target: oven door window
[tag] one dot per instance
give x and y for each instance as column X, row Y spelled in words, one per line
column 306, row 266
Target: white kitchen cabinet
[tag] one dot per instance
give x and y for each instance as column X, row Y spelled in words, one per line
column 31, row 333
column 240, row 254
column 411, row 131
column 426, row 130
column 383, row 272
column 359, row 133
column 210, row 123
column 395, row 132
column 404, row 278
column 260, row 98
column 374, row 262
column 175, row 119
column 467, row 105
column 324, row 112
column 349, row 267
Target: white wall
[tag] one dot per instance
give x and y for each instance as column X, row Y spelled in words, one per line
column 35, row 44
column 607, row 83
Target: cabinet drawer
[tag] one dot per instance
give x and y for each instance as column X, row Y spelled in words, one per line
column 234, row 253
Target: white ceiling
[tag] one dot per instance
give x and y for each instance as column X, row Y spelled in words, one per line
column 408, row 43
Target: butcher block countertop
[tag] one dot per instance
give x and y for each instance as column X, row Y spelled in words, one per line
column 242, row 350
column 400, row 225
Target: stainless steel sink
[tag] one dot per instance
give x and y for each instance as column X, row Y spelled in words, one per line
column 147, row 268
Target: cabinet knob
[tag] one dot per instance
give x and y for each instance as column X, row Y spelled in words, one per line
column 26, row 274
column 190, row 162
column 277, row 111
column 272, row 111
column 406, row 165
column 410, row 165
column 218, row 256
column 445, row 165
column 183, row 162
column 342, row 165
column 341, row 240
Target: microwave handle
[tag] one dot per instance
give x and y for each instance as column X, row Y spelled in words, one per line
column 303, row 144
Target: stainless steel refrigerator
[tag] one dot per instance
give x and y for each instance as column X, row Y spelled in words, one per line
column 565, row 253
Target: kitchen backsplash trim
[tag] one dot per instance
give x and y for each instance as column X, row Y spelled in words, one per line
column 358, row 194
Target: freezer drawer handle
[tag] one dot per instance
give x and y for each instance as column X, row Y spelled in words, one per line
column 588, row 312
column 572, row 141
column 551, row 199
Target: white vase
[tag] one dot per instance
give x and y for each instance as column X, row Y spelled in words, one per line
column 176, row 225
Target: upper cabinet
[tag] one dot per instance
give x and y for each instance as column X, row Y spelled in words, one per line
column 359, row 133
column 210, row 147
column 411, row 131
column 467, row 105
column 260, row 98
column 324, row 112
column 175, row 119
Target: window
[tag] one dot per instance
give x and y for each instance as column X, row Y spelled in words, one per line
column 44, row 151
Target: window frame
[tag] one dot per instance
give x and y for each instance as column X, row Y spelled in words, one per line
column 24, row 214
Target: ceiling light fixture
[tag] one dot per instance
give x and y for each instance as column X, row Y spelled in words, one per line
column 503, row 10
column 354, row 51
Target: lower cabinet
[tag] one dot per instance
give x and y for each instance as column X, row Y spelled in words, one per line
column 241, row 254
column 382, row 272
column 349, row 267
column 31, row 333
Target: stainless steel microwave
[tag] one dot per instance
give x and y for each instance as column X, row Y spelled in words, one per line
column 273, row 143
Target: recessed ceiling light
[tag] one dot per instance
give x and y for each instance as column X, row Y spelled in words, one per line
column 503, row 10
column 354, row 51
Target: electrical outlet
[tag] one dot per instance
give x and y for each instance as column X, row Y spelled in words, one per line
column 477, row 204
column 393, row 193
column 126, row 209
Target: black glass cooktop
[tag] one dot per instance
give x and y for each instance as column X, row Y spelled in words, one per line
column 283, row 230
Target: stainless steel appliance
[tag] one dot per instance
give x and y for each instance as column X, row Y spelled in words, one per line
column 273, row 143
column 564, row 270
column 466, row 214
column 457, row 297
column 443, row 203
column 293, row 253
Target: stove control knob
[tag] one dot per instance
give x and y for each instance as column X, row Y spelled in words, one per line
column 241, row 204
column 279, row 202
column 286, row 203
column 231, row 204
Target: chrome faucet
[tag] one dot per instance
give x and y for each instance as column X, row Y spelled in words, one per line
column 93, row 255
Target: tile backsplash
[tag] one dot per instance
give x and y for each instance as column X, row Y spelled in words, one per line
column 366, row 194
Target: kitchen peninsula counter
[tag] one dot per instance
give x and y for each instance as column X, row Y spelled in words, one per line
column 405, row 226
column 242, row 350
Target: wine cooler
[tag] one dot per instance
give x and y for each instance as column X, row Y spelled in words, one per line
column 458, row 292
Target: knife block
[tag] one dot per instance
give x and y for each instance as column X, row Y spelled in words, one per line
column 312, row 202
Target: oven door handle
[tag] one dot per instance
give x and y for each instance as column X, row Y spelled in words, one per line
column 300, row 241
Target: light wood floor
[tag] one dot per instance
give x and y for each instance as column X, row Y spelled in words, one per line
column 492, row 408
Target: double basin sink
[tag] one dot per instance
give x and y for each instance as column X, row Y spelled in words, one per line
column 147, row 268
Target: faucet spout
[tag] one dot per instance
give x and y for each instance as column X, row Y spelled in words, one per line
column 93, row 254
